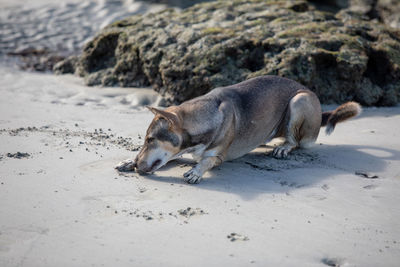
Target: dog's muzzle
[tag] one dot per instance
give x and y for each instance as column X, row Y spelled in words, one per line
column 143, row 167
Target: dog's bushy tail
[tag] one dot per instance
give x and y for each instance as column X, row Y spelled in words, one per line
column 342, row 113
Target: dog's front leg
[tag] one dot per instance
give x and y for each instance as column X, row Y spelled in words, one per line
column 194, row 175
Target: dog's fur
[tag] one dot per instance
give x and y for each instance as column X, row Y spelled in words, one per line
column 230, row 121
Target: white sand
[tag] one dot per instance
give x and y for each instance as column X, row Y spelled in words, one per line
column 71, row 208
column 65, row 205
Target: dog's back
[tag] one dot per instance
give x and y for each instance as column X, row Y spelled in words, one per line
column 259, row 106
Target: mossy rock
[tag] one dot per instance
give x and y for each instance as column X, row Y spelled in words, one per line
column 184, row 54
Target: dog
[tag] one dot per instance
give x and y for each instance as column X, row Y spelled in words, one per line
column 230, row 121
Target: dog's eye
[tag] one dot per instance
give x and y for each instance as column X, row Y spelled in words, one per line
column 150, row 140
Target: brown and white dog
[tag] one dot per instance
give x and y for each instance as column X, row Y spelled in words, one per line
column 228, row 122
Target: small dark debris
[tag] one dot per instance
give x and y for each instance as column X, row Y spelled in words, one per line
column 188, row 212
column 332, row 262
column 366, row 175
column 142, row 190
column 234, row 237
column 18, row 155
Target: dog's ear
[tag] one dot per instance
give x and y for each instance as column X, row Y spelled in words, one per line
column 153, row 110
column 169, row 116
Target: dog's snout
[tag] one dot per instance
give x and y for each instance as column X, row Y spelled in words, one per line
column 144, row 166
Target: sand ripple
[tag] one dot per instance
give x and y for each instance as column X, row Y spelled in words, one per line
column 61, row 26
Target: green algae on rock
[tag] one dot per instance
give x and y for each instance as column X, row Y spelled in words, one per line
column 184, row 54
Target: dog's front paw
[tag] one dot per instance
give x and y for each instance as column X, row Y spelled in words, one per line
column 192, row 176
column 126, row 166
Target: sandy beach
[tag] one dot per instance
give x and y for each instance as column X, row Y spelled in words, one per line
column 64, row 204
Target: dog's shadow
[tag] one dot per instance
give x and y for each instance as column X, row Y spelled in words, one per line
column 258, row 172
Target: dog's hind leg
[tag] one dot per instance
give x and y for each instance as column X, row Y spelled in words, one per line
column 302, row 125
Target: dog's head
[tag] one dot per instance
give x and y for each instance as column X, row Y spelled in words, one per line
column 162, row 143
